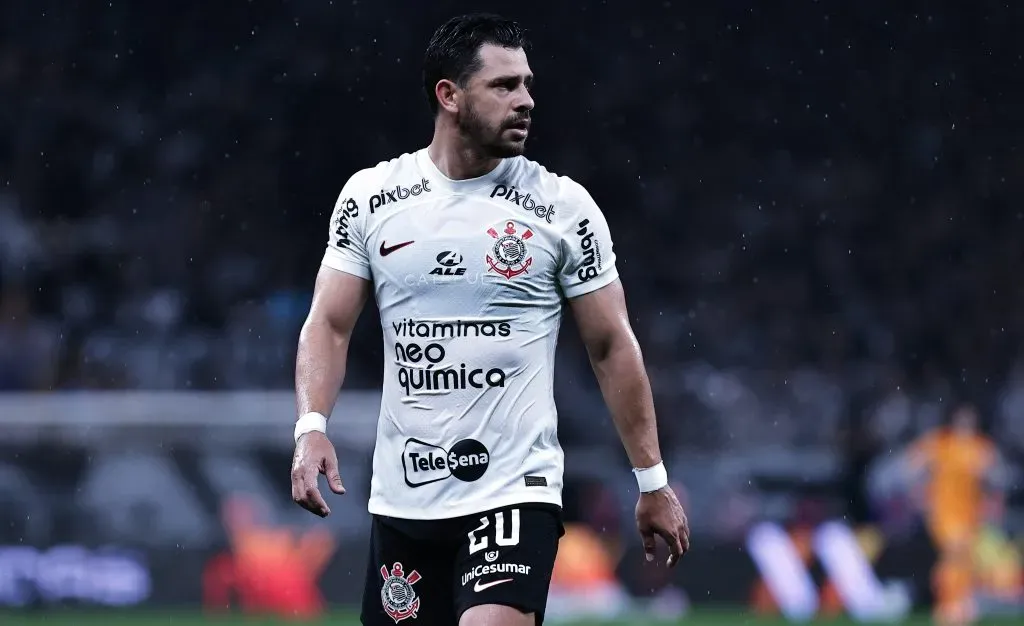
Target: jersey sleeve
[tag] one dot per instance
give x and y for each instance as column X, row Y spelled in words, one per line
column 346, row 240
column 588, row 261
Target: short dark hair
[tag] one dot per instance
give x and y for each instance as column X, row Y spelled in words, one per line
column 453, row 51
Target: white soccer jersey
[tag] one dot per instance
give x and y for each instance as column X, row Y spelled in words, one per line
column 470, row 277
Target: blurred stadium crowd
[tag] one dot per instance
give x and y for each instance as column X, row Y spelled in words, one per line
column 811, row 213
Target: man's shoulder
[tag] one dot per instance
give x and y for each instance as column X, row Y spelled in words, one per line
column 569, row 196
column 385, row 183
column 527, row 174
column 373, row 179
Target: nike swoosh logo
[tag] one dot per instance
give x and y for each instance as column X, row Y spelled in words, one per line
column 385, row 250
column 481, row 585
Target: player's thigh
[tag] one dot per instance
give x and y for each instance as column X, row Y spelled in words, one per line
column 496, row 615
column 506, row 560
column 952, row 538
column 407, row 579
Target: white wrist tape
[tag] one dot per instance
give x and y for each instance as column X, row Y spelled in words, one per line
column 651, row 479
column 310, row 422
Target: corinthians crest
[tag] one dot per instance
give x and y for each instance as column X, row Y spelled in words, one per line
column 509, row 255
column 397, row 595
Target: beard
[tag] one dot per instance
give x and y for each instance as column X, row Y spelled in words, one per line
column 489, row 138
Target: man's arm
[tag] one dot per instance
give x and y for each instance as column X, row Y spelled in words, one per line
column 618, row 364
column 588, row 278
column 338, row 298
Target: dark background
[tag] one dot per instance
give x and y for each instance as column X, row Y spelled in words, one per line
column 809, row 184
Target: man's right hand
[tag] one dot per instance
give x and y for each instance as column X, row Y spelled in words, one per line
column 314, row 455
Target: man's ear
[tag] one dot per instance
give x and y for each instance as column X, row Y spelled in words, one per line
column 448, row 95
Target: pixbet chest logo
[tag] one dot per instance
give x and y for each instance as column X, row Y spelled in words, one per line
column 425, row 463
column 399, row 193
column 509, row 255
column 526, row 201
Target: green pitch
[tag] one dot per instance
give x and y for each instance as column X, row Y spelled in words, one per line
column 136, row 618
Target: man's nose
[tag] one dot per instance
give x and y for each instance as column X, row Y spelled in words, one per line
column 525, row 100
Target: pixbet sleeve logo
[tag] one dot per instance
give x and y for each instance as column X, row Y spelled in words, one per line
column 590, row 251
column 347, row 211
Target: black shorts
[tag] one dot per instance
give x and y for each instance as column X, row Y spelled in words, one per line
column 433, row 570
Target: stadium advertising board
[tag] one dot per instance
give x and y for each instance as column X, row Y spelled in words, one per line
column 308, row 575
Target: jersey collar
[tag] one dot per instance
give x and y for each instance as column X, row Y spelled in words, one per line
column 465, row 185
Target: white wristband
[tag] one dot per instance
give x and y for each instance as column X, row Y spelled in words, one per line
column 310, row 422
column 651, row 479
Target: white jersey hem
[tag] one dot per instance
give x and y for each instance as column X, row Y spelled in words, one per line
column 339, row 263
column 449, row 512
column 591, row 286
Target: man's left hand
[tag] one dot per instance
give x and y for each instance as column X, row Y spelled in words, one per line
column 659, row 513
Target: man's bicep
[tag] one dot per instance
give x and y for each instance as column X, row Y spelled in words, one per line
column 602, row 318
column 338, row 298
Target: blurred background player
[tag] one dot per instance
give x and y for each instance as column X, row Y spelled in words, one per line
column 956, row 463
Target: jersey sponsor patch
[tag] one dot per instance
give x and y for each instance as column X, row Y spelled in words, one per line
column 397, row 594
column 448, row 264
column 426, row 463
column 422, row 370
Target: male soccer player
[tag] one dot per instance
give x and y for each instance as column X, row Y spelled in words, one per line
column 958, row 463
column 471, row 250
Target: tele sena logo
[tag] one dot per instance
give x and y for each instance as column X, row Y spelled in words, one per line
column 427, row 463
column 454, row 461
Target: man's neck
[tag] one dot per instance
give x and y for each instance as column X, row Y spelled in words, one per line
column 456, row 158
